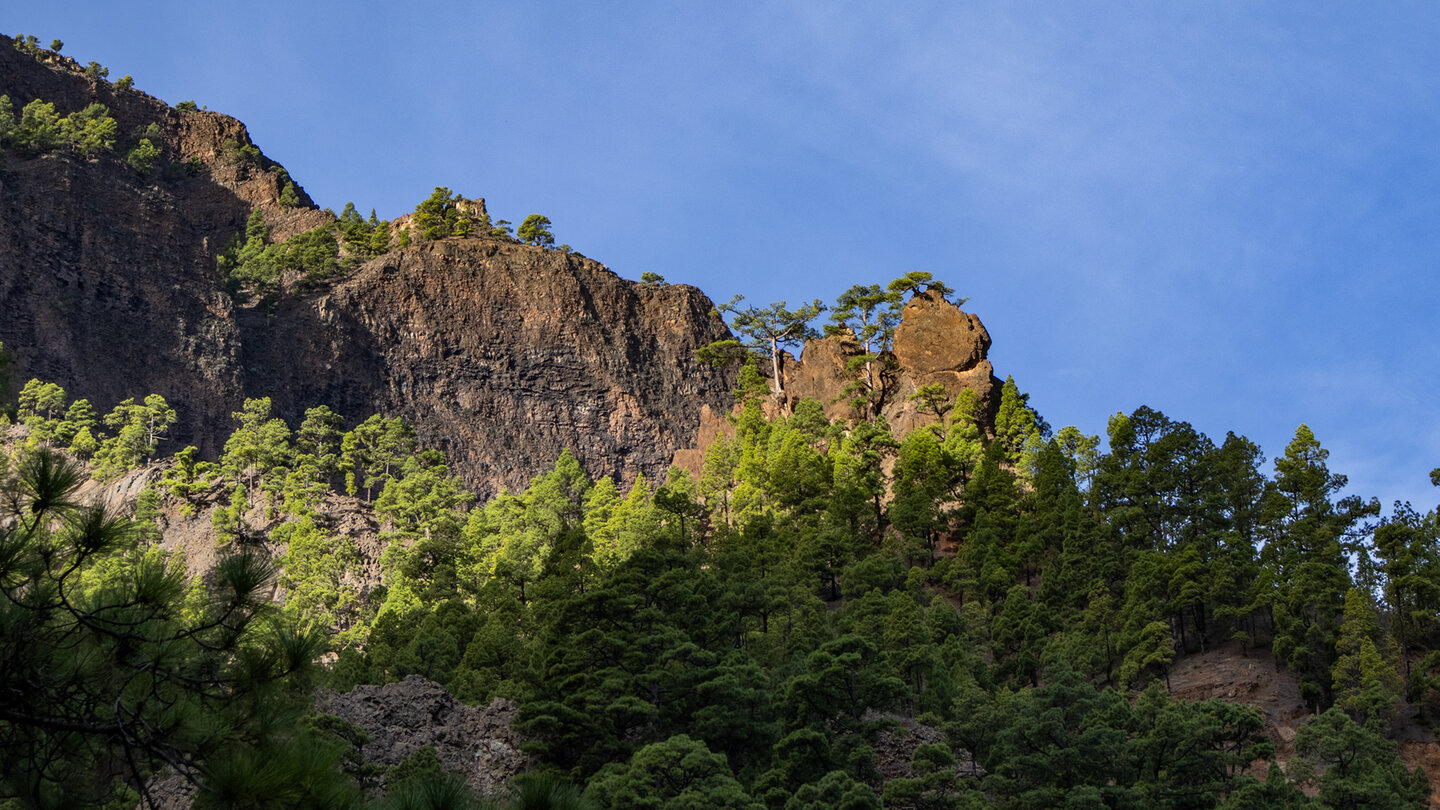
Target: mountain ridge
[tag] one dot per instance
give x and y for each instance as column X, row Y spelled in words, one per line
column 109, row 286
column 501, row 354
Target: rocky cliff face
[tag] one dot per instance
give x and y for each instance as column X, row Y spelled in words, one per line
column 107, row 280
column 502, row 355
column 935, row 343
column 498, row 353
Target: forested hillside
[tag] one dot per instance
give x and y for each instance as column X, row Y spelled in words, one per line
column 884, row 581
column 778, row 632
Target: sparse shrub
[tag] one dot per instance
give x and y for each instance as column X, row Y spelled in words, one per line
column 27, row 43
column 142, row 157
column 90, row 130
column 231, row 151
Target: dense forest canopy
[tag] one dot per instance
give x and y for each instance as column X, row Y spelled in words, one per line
column 767, row 629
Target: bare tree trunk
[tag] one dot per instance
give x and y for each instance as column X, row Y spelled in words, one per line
column 779, row 389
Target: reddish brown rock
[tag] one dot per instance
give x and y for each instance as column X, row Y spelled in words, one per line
column 935, row 342
column 821, row 375
column 935, row 337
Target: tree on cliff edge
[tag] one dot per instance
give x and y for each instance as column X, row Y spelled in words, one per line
column 770, row 330
column 442, row 215
column 918, row 281
column 535, row 230
column 870, row 315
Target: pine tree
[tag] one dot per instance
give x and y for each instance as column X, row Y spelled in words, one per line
column 1306, row 561
column 868, row 315
column 120, row 677
column 90, row 130
column 770, row 330
column 1018, row 428
column 1365, row 681
column 535, row 230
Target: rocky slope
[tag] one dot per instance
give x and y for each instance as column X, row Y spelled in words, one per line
column 401, row 718
column 498, row 353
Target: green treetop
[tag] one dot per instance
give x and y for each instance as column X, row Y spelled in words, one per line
column 39, row 128
column 441, row 215
column 535, row 230
column 90, row 130
column 919, row 281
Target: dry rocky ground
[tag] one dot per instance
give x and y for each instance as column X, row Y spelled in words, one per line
column 1253, row 679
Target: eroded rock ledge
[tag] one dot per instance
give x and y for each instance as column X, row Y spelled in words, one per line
column 936, row 342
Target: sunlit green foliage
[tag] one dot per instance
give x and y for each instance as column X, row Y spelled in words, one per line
column 7, row 119
column 138, row 430
column 445, row 214
column 41, row 130
column 90, row 130
column 363, row 238
column 761, row 631
column 256, row 264
column 768, row 331
column 38, row 130
column 142, row 158
column 535, row 230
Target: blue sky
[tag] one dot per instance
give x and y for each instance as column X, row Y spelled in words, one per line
column 1227, row 211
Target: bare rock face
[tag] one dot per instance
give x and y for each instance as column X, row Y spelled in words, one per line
column 935, row 343
column 938, row 343
column 401, row 718
column 498, row 353
column 935, row 338
column 820, row 374
column 502, row 355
